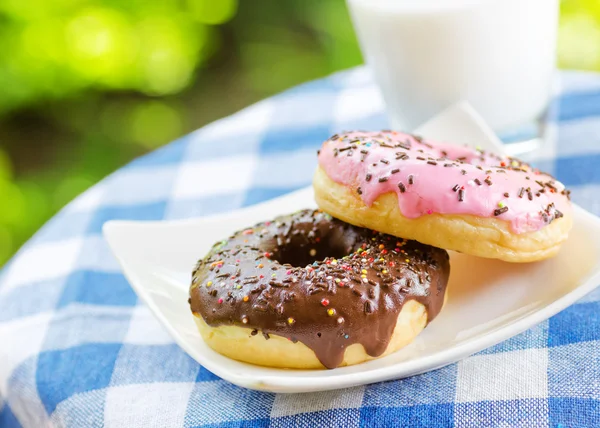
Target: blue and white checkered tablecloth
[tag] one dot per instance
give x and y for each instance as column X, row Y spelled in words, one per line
column 78, row 349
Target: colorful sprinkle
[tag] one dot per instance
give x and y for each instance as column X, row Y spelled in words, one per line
column 500, row 211
column 331, row 312
column 324, row 302
column 291, row 320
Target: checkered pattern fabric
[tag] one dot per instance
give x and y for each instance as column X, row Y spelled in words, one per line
column 78, row 349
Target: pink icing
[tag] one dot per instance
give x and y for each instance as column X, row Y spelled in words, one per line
column 358, row 160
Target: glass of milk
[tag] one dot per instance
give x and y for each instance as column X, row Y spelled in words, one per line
column 499, row 55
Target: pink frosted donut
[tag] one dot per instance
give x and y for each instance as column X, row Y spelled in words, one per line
column 447, row 196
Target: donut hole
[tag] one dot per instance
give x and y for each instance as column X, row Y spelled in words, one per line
column 300, row 256
column 301, row 251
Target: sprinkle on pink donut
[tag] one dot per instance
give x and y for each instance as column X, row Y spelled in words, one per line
column 431, row 177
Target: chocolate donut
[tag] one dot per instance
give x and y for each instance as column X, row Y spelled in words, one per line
column 302, row 290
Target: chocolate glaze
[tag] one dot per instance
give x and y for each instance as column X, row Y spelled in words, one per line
column 315, row 279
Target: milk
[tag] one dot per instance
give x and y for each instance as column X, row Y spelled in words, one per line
column 499, row 55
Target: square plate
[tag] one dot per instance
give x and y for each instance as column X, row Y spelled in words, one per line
column 488, row 300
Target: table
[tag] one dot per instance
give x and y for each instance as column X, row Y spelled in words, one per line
column 77, row 348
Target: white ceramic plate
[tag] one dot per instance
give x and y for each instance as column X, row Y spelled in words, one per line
column 488, row 300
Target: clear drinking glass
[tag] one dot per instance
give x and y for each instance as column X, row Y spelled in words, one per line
column 499, row 55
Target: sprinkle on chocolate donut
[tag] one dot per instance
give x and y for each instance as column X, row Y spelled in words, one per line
column 314, row 279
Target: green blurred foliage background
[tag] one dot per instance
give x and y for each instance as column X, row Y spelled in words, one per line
column 87, row 85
